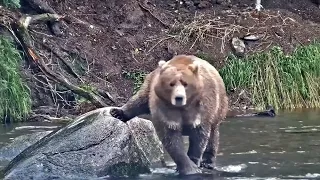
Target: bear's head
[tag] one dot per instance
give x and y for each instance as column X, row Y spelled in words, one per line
column 179, row 81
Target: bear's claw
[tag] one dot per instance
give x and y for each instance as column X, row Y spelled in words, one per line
column 118, row 113
column 207, row 165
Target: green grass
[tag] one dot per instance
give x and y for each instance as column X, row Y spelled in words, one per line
column 11, row 3
column 137, row 77
column 15, row 99
column 284, row 81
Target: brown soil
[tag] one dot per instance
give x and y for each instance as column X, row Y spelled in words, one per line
column 117, row 36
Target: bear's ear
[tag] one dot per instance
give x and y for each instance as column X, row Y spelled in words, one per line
column 193, row 67
column 161, row 63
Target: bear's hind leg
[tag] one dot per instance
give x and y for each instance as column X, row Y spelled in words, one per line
column 209, row 155
column 198, row 140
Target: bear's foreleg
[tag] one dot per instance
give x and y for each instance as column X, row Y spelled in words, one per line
column 172, row 141
column 210, row 154
column 137, row 104
column 198, row 140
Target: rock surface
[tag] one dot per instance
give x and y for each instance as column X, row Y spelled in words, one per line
column 93, row 145
column 238, row 46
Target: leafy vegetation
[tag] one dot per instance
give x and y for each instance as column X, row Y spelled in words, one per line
column 284, row 81
column 137, row 77
column 15, row 99
column 87, row 87
column 11, row 3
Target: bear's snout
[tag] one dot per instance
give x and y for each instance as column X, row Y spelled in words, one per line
column 179, row 100
column 179, row 96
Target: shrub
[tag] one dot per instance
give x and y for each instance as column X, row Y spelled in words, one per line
column 15, row 99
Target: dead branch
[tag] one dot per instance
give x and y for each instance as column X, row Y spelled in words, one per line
column 49, row 118
column 25, row 21
column 160, row 41
column 149, row 11
column 34, row 58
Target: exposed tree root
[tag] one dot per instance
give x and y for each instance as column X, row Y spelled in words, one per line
column 69, row 68
column 42, row 7
column 21, row 30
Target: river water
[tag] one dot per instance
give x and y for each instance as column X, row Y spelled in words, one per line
column 284, row 147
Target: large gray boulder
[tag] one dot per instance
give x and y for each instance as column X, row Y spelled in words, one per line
column 93, row 145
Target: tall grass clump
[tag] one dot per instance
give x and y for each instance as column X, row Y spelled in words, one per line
column 284, row 81
column 11, row 3
column 15, row 100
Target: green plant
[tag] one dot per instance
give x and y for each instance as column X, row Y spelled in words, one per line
column 286, row 82
column 88, row 88
column 15, row 99
column 11, row 3
column 137, row 77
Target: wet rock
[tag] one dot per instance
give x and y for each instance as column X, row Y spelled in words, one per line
column 253, row 37
column 269, row 112
column 238, row 46
column 93, row 145
column 19, row 144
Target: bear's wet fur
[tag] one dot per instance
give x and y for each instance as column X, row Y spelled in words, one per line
column 185, row 96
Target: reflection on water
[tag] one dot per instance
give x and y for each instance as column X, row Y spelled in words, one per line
column 9, row 131
column 267, row 147
column 284, row 147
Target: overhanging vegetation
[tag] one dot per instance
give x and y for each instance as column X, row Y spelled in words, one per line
column 15, row 100
column 284, row 81
column 11, row 3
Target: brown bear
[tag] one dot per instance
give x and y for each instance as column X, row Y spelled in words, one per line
column 185, row 96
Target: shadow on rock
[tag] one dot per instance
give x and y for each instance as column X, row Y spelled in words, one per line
column 92, row 146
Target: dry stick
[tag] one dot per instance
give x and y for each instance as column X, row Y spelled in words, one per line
column 23, row 23
column 160, row 41
column 149, row 11
column 50, row 118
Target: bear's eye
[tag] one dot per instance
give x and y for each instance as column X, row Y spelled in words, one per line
column 172, row 84
column 184, row 83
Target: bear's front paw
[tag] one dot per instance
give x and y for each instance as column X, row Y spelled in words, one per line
column 189, row 169
column 207, row 165
column 119, row 114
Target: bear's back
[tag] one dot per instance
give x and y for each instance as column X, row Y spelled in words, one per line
column 208, row 71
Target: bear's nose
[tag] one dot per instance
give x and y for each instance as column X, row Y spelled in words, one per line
column 179, row 99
